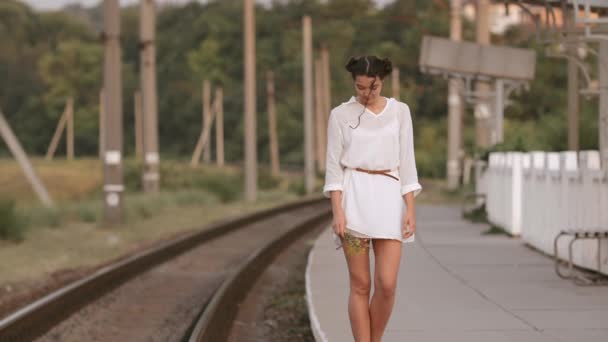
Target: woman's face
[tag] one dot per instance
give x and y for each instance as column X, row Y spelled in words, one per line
column 363, row 85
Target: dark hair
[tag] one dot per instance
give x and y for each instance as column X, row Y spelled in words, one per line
column 371, row 66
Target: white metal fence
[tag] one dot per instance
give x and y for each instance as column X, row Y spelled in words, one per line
column 535, row 195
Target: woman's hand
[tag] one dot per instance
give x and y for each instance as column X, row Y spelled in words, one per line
column 409, row 224
column 339, row 223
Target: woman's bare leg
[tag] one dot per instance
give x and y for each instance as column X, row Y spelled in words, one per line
column 387, row 257
column 357, row 259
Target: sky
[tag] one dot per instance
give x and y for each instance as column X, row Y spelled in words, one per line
column 55, row 4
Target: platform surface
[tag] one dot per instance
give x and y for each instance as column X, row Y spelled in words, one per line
column 457, row 284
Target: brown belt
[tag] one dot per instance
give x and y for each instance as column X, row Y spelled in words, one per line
column 377, row 172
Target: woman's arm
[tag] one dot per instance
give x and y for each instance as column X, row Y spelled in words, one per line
column 407, row 160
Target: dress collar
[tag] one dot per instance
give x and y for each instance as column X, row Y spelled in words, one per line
column 354, row 100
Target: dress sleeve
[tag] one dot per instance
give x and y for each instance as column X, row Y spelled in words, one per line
column 334, row 173
column 407, row 162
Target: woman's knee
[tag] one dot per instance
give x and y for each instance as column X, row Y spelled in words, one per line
column 360, row 285
column 385, row 286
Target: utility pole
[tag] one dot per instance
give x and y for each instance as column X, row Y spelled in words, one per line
column 395, row 84
column 15, row 147
column 219, row 126
column 139, row 139
column 319, row 109
column 326, row 88
column 603, row 116
column 251, row 174
column 573, row 96
column 151, row 176
column 272, row 125
column 102, row 122
column 309, row 167
column 113, row 179
column 483, row 107
column 454, row 105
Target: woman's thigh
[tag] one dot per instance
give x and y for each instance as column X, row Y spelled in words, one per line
column 387, row 253
column 356, row 252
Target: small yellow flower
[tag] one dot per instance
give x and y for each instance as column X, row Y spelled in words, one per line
column 355, row 245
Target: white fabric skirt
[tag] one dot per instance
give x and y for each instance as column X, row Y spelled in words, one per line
column 373, row 206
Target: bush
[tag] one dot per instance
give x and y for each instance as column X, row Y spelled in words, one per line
column 297, row 187
column 266, row 180
column 11, row 226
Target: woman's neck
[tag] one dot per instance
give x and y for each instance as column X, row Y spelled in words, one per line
column 377, row 102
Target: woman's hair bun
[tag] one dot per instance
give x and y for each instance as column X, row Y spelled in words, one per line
column 388, row 66
column 369, row 66
column 350, row 65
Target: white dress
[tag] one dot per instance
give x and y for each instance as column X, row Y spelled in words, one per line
column 373, row 204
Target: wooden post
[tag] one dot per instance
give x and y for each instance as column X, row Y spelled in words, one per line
column 219, row 126
column 319, row 117
column 139, row 138
column 147, row 32
column 70, row 129
column 15, row 147
column 203, row 139
column 206, row 111
column 102, row 122
column 251, row 174
column 272, row 125
column 395, row 84
column 113, row 178
column 50, row 153
column 309, row 166
column 206, row 116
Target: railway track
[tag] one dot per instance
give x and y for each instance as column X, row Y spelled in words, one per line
column 187, row 289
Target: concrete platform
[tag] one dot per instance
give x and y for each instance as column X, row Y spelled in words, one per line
column 456, row 284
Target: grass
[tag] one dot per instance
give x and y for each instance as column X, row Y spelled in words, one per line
column 78, row 243
column 44, row 240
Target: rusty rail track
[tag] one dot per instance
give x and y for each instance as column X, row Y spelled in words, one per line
column 218, row 315
column 42, row 315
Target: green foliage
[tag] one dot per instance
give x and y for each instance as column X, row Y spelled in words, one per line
column 11, row 226
column 46, row 57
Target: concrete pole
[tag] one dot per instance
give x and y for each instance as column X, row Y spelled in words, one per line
column 206, row 117
column 251, row 174
column 15, row 147
column 147, row 33
column 483, row 108
column 139, row 139
column 309, row 166
column 454, row 105
column 319, row 109
column 395, row 84
column 326, row 88
column 219, row 126
column 102, row 123
column 603, row 110
column 499, row 90
column 573, row 96
column 70, row 129
column 272, row 126
column 113, row 178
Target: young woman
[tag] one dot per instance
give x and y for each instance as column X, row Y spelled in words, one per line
column 372, row 180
